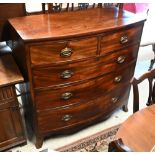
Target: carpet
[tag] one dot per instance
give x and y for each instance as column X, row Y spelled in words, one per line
column 94, row 143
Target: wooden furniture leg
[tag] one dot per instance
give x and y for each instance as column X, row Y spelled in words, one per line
column 153, row 60
column 39, row 142
column 149, row 102
column 153, row 93
column 125, row 108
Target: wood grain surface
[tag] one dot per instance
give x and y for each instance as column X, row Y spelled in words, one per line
column 137, row 132
column 9, row 72
column 76, row 23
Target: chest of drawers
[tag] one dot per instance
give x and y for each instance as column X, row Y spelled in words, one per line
column 78, row 66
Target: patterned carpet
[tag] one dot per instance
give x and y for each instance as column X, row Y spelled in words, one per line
column 95, row 143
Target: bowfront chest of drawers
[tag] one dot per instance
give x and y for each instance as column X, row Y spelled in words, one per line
column 77, row 65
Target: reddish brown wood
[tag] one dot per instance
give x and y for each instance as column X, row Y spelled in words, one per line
column 52, row 76
column 47, row 99
column 133, row 131
column 11, row 128
column 118, row 146
column 75, row 115
column 8, row 10
column 91, row 21
column 9, row 72
column 81, row 49
column 112, row 41
column 96, row 72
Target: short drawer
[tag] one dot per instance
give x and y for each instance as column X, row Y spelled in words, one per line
column 70, row 73
column 82, row 92
column 117, row 40
column 62, row 51
column 51, row 120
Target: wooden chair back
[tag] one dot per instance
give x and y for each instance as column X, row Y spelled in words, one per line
column 61, row 7
column 118, row 146
column 150, row 75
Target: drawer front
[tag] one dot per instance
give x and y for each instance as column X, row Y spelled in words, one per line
column 60, row 75
column 120, row 39
column 52, row 120
column 82, row 92
column 52, row 76
column 58, row 52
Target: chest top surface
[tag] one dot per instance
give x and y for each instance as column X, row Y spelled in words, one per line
column 69, row 24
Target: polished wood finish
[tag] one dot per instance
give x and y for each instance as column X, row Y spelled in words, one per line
column 118, row 146
column 52, row 76
column 63, row 26
column 75, row 77
column 137, row 132
column 8, row 10
column 80, row 113
column 81, row 49
column 11, row 131
column 115, row 40
column 9, row 71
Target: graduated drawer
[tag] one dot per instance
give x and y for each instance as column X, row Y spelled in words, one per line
column 117, row 40
column 62, row 51
column 55, row 75
column 82, row 92
column 51, row 120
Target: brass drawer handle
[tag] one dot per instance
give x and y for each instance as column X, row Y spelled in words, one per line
column 114, row 99
column 66, row 52
column 66, row 118
column 121, row 59
column 124, row 39
column 66, row 74
column 118, row 79
column 66, row 95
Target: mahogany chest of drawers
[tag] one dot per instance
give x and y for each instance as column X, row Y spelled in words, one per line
column 77, row 65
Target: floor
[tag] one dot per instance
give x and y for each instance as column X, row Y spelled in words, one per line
column 145, row 54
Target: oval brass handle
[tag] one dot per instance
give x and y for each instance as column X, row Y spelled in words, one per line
column 66, row 95
column 66, row 52
column 124, row 39
column 66, row 74
column 121, row 59
column 66, row 117
column 118, row 79
column 114, row 99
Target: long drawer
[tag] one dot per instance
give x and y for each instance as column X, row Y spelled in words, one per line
column 50, row 120
column 62, row 51
column 120, row 39
column 69, row 73
column 80, row 92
